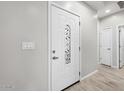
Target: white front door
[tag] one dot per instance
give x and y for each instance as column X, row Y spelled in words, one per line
column 121, row 48
column 106, row 46
column 65, row 48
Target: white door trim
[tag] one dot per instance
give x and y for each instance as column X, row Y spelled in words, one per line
column 49, row 45
column 108, row 27
column 50, row 3
column 98, row 41
column 117, row 30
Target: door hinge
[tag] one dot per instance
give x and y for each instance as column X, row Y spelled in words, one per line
column 79, row 73
column 79, row 48
column 79, row 23
column 119, row 46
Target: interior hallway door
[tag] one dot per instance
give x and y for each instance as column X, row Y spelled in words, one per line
column 65, row 48
column 106, row 46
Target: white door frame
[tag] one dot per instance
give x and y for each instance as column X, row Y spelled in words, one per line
column 50, row 3
column 108, row 27
column 118, row 43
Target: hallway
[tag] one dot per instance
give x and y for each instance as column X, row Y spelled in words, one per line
column 106, row 79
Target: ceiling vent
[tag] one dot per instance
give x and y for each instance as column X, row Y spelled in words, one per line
column 121, row 4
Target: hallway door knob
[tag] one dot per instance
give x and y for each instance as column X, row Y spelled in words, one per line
column 54, row 58
column 108, row 48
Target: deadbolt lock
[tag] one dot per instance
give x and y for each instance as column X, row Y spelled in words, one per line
column 54, row 51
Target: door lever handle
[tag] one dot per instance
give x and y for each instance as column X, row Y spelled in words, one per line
column 109, row 48
column 54, row 58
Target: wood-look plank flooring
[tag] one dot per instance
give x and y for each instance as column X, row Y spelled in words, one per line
column 106, row 79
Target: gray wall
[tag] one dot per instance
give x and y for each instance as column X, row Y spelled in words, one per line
column 88, row 34
column 113, row 20
column 23, row 69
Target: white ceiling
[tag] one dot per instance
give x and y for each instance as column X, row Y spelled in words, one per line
column 102, row 6
column 96, row 4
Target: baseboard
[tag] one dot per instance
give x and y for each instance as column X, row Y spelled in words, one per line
column 114, row 67
column 90, row 74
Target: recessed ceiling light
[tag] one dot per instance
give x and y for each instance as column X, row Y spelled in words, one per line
column 107, row 11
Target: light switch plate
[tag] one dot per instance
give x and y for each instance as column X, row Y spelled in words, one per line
column 28, row 45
